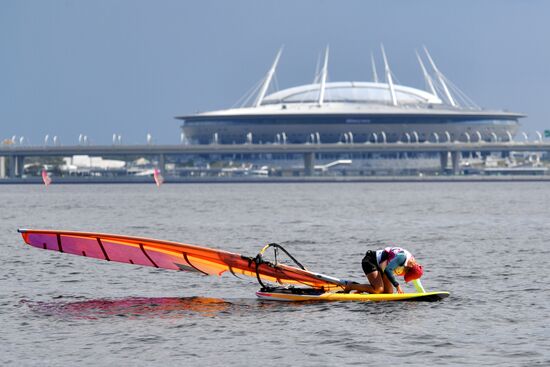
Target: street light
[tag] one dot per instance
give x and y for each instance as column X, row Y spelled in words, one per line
column 525, row 136
column 478, row 136
column 415, row 134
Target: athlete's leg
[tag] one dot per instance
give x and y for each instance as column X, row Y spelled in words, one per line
column 388, row 287
column 376, row 284
column 375, row 279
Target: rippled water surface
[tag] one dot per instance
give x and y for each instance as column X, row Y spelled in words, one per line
column 486, row 243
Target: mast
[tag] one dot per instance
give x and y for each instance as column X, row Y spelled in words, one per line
column 388, row 77
column 374, row 73
column 427, row 76
column 267, row 80
column 441, row 79
column 323, row 78
column 317, row 65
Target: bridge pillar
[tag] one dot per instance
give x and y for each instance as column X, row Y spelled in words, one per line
column 308, row 164
column 16, row 166
column 162, row 165
column 2, row 167
column 13, row 166
column 444, row 159
column 20, row 166
column 455, row 157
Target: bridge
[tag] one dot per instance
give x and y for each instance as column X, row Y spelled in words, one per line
column 12, row 157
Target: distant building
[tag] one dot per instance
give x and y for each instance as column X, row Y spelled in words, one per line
column 330, row 112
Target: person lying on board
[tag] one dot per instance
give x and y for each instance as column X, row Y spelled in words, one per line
column 382, row 266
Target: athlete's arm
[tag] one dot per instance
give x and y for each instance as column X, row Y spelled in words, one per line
column 398, row 260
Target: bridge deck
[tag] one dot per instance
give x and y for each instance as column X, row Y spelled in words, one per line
column 118, row 150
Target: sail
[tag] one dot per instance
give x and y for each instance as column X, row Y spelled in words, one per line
column 159, row 179
column 45, row 178
column 173, row 256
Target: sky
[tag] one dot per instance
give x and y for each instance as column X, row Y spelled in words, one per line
column 130, row 66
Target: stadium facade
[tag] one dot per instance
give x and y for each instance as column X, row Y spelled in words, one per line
column 354, row 111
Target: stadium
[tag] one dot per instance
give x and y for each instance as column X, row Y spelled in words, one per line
column 354, row 111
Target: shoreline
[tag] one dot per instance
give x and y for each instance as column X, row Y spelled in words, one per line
column 313, row 179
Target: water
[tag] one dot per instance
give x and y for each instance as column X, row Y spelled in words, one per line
column 485, row 243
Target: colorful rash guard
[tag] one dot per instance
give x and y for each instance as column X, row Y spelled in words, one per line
column 392, row 261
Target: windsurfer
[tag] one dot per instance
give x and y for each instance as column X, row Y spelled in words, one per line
column 382, row 266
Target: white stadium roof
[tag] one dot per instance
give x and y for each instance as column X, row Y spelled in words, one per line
column 352, row 92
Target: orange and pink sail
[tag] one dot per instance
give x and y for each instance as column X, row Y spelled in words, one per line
column 173, row 256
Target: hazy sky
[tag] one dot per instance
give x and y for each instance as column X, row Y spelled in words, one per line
column 128, row 66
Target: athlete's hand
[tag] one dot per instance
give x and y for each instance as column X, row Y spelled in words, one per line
column 399, row 290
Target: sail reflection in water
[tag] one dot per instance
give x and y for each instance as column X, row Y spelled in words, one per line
column 135, row 307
